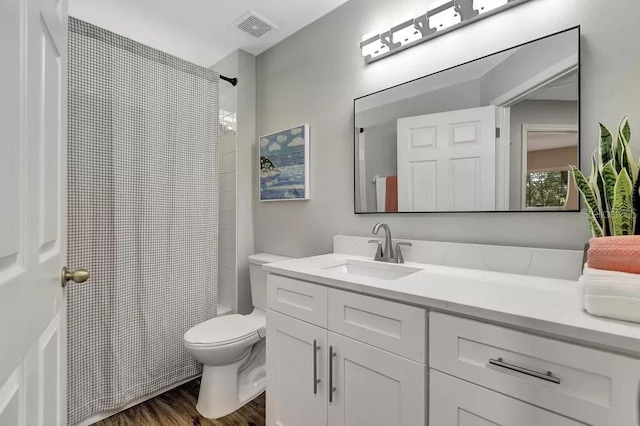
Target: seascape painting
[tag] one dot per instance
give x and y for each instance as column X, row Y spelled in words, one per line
column 284, row 167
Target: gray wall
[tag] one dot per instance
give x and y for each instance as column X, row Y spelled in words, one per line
column 536, row 112
column 313, row 76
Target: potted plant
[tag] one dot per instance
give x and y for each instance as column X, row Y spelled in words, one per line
column 612, row 202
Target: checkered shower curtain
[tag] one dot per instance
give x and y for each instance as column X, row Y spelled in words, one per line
column 143, row 216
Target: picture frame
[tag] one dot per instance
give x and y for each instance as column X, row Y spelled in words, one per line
column 283, row 166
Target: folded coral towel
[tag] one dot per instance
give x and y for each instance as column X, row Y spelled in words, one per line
column 615, row 253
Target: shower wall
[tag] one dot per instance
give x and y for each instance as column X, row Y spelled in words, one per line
column 237, row 157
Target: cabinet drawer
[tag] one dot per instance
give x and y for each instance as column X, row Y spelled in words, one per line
column 456, row 402
column 591, row 386
column 391, row 326
column 298, row 299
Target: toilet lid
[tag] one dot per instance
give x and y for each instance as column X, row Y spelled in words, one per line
column 223, row 330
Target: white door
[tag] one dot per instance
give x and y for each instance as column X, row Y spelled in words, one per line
column 447, row 161
column 374, row 387
column 296, row 360
column 454, row 402
column 33, row 84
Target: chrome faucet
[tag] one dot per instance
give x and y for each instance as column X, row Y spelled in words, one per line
column 386, row 254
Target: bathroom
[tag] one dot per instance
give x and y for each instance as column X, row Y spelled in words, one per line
column 508, row 274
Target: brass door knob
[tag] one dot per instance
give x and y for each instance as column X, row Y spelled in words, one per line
column 78, row 276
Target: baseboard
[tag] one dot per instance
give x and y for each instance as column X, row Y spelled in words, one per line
column 105, row 414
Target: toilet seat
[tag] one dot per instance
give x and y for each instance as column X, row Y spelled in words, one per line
column 225, row 330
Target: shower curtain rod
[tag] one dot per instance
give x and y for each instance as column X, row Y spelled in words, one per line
column 233, row 81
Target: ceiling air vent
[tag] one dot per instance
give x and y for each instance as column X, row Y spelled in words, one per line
column 254, row 24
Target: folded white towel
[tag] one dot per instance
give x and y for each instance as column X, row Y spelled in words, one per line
column 600, row 275
column 616, row 307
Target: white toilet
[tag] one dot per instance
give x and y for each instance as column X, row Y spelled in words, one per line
column 232, row 349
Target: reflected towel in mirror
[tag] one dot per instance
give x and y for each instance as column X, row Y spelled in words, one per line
column 386, row 194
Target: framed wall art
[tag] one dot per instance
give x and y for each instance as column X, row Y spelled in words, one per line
column 284, row 165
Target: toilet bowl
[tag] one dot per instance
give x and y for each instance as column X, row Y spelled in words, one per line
column 232, row 349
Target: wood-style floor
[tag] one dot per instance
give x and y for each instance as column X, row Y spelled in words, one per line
column 178, row 408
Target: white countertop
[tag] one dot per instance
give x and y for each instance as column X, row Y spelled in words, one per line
column 545, row 306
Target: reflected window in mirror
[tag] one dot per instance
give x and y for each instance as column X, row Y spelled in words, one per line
column 494, row 134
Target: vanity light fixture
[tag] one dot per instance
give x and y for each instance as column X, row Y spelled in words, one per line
column 448, row 16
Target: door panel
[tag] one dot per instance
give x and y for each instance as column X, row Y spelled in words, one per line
column 465, row 181
column 12, row 143
column 447, row 161
column 424, row 186
column 33, row 41
column 291, row 400
column 12, row 400
column 49, row 144
column 375, row 387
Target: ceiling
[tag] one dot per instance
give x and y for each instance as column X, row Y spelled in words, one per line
column 541, row 141
column 563, row 89
column 200, row 31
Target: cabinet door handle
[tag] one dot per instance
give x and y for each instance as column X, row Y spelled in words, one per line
column 316, row 348
column 548, row 376
column 332, row 388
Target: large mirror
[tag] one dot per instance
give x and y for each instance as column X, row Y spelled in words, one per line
column 494, row 134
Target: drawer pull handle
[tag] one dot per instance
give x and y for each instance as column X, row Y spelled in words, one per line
column 316, row 348
column 332, row 388
column 548, row 376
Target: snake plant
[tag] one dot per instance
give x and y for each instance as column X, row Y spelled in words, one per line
column 611, row 192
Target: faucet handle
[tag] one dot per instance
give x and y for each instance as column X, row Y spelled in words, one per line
column 378, row 249
column 399, row 252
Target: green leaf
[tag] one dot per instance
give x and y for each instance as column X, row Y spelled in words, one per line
column 597, row 186
column 625, row 156
column 609, row 177
column 622, row 211
column 589, row 199
column 624, row 130
column 606, row 145
column 636, row 204
column 596, row 229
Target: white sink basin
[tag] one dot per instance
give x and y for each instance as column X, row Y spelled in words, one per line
column 373, row 269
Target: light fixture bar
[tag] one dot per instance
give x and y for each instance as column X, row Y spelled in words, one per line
column 440, row 20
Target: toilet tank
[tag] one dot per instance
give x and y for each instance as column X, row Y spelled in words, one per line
column 258, row 277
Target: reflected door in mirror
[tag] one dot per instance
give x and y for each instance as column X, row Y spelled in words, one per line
column 447, row 161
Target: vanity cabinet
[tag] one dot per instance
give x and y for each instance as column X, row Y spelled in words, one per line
column 336, row 375
column 342, row 358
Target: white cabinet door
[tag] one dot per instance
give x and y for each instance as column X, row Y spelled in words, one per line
column 293, row 363
column 447, row 161
column 454, row 402
column 374, row 387
column 33, row 108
